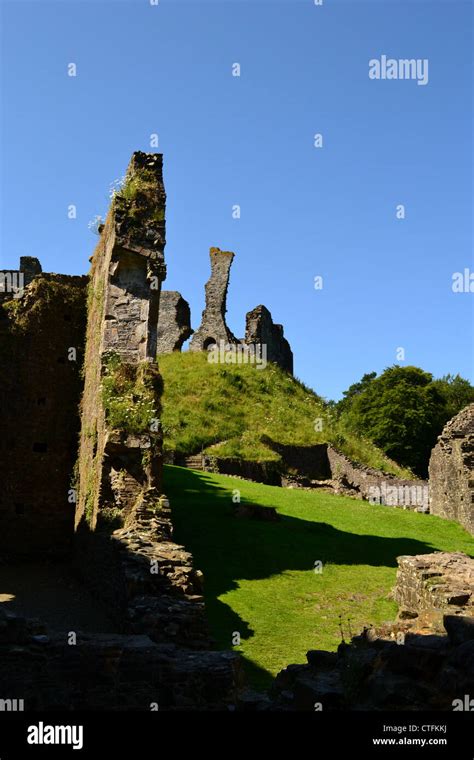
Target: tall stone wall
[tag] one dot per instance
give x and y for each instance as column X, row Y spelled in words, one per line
column 451, row 470
column 260, row 330
column 213, row 328
column 120, row 445
column 124, row 535
column 41, row 344
column 174, row 322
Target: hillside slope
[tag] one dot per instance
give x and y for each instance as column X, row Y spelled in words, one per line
column 227, row 410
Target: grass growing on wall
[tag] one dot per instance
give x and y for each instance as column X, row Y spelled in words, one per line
column 231, row 407
column 129, row 394
column 259, row 578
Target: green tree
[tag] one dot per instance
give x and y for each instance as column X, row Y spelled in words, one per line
column 354, row 390
column 457, row 393
column 402, row 411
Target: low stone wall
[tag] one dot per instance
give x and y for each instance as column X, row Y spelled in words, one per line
column 376, row 486
column 308, row 461
column 442, row 581
column 261, row 472
column 305, row 465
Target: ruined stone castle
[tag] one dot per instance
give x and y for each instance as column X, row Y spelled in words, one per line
column 174, row 326
column 81, row 473
column 81, row 362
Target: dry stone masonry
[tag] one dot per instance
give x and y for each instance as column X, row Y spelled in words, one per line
column 451, row 470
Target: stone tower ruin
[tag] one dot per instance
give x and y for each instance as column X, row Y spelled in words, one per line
column 120, row 450
column 213, row 328
column 261, row 330
column 175, row 325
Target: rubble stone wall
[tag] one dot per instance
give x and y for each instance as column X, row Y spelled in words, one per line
column 451, row 471
column 377, row 486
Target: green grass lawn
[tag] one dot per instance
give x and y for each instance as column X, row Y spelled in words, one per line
column 259, row 576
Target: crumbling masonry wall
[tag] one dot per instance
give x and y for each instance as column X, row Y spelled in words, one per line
column 261, row 330
column 174, row 322
column 213, row 328
column 41, row 344
column 120, row 449
column 124, row 548
column 451, row 470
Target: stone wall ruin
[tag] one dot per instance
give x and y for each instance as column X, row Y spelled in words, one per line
column 41, row 344
column 174, row 322
column 260, row 330
column 121, row 535
column 451, row 470
column 213, row 328
column 262, row 336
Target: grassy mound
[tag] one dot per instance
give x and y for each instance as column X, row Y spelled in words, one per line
column 227, row 409
column 260, row 579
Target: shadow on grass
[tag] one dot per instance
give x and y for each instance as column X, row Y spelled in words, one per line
column 227, row 549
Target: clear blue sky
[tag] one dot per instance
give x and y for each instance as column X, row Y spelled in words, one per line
column 167, row 69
